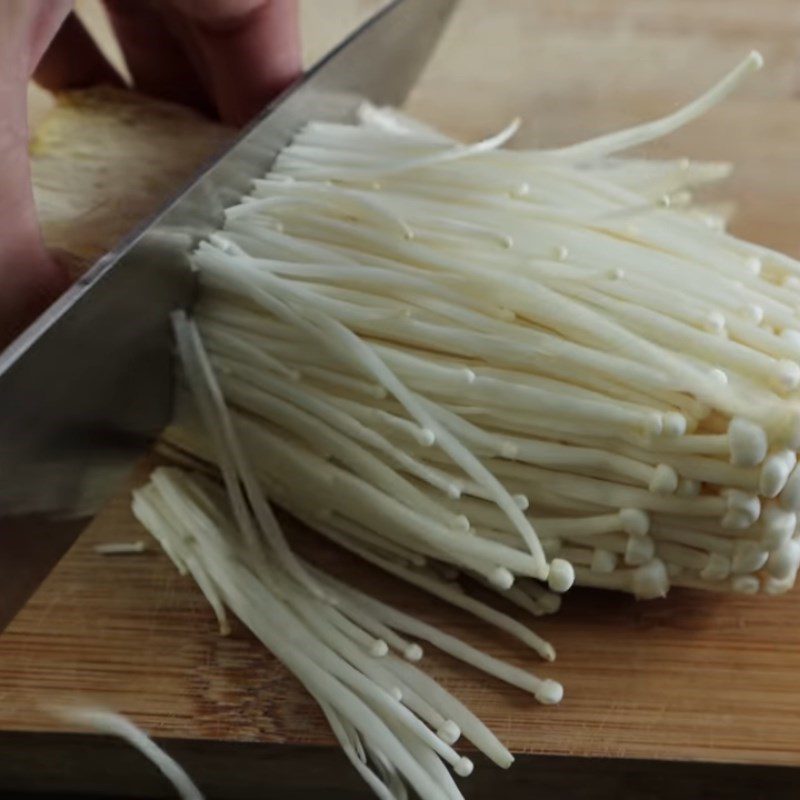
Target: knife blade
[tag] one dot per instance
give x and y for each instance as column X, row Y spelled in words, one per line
column 88, row 386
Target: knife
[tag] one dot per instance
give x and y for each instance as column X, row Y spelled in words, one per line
column 89, row 385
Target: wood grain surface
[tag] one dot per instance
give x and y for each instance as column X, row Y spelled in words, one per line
column 696, row 677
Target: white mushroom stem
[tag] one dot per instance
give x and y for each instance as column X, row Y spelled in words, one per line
column 120, row 548
column 246, row 594
column 646, row 582
column 113, row 724
column 643, row 133
column 453, row 596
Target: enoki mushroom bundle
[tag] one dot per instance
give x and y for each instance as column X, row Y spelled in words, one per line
column 526, row 367
column 394, row 723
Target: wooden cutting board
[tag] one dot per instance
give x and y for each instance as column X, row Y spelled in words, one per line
column 696, row 695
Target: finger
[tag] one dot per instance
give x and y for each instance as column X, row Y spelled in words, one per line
column 250, row 50
column 73, row 60
column 155, row 56
column 29, row 279
column 40, row 18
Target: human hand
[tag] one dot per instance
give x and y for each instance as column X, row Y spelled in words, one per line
column 224, row 57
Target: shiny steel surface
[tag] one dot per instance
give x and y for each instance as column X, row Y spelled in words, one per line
column 88, row 386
